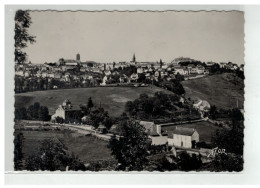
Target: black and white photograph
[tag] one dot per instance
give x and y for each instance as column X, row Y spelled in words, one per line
column 128, row 91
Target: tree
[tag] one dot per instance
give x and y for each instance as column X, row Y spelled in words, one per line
column 188, row 163
column 108, row 122
column 22, row 23
column 53, row 156
column 90, row 103
column 18, row 154
column 227, row 162
column 213, row 111
column 59, row 119
column 20, row 113
column 43, row 113
column 131, row 149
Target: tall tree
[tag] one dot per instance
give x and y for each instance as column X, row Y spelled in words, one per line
column 131, row 149
column 22, row 37
column 90, row 103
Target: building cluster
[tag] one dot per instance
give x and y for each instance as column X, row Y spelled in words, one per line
column 182, row 137
column 67, row 70
column 179, row 137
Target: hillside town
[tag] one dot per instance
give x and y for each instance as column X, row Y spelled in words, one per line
column 80, row 115
column 69, row 73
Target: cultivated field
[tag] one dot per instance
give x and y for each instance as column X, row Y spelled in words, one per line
column 88, row 148
column 112, row 99
column 205, row 129
column 221, row 90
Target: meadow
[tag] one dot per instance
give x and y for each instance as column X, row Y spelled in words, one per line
column 221, row 90
column 112, row 99
column 87, row 148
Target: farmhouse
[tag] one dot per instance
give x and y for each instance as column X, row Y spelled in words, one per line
column 202, row 105
column 66, row 112
column 183, row 137
column 154, row 132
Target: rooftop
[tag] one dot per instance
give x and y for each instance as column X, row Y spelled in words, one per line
column 182, row 131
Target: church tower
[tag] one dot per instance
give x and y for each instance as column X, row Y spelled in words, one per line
column 133, row 60
column 78, row 57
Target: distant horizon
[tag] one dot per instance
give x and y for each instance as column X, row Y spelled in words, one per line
column 106, row 37
column 136, row 61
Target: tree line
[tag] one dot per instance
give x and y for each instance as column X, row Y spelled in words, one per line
column 33, row 112
column 160, row 105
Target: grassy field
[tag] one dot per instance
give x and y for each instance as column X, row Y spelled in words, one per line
column 112, row 99
column 205, row 129
column 88, row 148
column 222, row 90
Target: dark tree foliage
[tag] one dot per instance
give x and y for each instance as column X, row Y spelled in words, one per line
column 90, row 103
column 59, row 120
column 22, row 37
column 213, row 112
column 53, row 156
column 20, row 113
column 179, row 77
column 187, row 163
column 231, row 140
column 223, row 162
column 161, row 164
column 33, row 112
column 18, row 154
column 130, row 150
column 160, row 105
column 128, row 71
column 98, row 116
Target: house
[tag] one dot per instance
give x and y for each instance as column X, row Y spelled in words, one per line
column 71, row 62
column 19, row 73
column 201, row 105
column 134, row 77
column 140, row 70
column 107, row 72
column 104, row 81
column 44, row 74
column 222, row 65
column 157, row 74
column 51, row 75
column 66, row 112
column 124, row 79
column 181, row 70
column 82, row 69
column 57, row 75
column 200, row 69
column 154, row 133
column 27, row 73
column 102, row 129
column 57, row 69
column 183, row 137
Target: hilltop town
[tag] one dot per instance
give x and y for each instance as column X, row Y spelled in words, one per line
column 172, row 122
column 73, row 73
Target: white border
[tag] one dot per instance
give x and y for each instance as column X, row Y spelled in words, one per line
column 250, row 174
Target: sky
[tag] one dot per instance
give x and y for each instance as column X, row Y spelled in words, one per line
column 115, row 36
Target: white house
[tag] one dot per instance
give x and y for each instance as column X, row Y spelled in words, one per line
column 201, row 105
column 107, row 72
column 155, row 133
column 104, row 81
column 183, row 137
column 134, row 77
column 140, row 70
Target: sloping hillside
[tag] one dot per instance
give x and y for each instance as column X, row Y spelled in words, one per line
column 112, row 99
column 222, row 90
